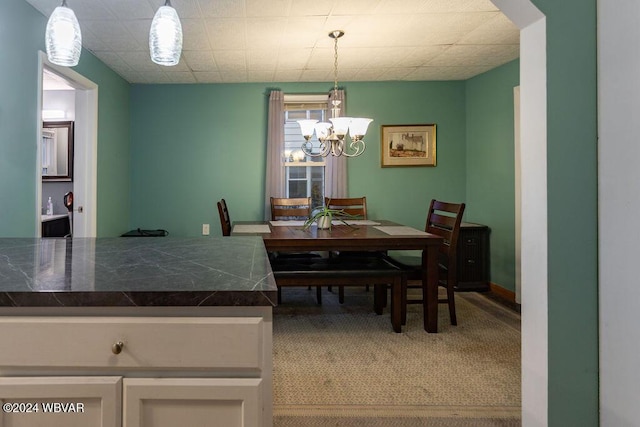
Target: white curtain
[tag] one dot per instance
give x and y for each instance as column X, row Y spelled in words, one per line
column 336, row 169
column 274, row 182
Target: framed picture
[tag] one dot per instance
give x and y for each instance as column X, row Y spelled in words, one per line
column 408, row 145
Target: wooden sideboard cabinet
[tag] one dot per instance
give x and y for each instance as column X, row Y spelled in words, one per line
column 473, row 257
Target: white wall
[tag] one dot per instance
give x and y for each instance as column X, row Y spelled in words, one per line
column 533, row 208
column 619, row 205
column 64, row 100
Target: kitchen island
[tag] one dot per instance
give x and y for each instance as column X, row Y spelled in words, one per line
column 136, row 332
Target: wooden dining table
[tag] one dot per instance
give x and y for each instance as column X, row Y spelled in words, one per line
column 359, row 235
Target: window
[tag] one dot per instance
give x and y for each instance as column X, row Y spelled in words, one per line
column 304, row 175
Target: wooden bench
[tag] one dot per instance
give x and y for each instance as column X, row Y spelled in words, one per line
column 347, row 271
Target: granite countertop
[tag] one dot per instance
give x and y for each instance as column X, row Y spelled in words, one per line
column 130, row 271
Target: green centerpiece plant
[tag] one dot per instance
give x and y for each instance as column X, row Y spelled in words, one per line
column 324, row 215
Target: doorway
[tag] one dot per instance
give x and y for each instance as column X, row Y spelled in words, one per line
column 84, row 103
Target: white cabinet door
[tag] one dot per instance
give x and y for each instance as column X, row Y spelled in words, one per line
column 192, row 402
column 60, row 401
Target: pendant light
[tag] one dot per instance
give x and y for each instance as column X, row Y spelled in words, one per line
column 63, row 37
column 165, row 37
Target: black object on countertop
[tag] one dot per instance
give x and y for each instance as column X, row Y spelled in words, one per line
column 146, row 233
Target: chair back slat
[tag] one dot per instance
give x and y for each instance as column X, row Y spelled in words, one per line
column 444, row 219
column 290, row 208
column 225, row 220
column 356, row 206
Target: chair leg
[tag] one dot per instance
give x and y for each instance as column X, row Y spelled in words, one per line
column 403, row 303
column 452, row 305
column 377, row 298
column 341, row 294
column 319, row 294
column 279, row 295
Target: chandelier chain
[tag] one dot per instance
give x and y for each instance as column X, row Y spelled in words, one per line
column 335, row 65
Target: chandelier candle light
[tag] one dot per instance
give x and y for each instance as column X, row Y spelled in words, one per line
column 332, row 135
column 165, row 37
column 63, row 37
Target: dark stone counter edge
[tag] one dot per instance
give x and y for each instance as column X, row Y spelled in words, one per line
column 138, row 299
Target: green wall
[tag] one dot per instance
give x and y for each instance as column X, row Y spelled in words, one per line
column 571, row 200
column 195, row 144
column 572, row 211
column 21, row 37
column 490, row 164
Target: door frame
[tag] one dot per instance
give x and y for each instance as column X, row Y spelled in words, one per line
column 85, row 183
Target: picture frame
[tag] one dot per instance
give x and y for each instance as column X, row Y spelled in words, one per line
column 408, row 145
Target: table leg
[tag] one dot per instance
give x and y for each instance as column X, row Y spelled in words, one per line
column 396, row 305
column 430, row 288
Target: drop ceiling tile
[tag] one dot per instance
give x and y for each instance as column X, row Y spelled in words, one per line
column 422, row 55
column 304, row 32
column 85, row 10
column 180, row 66
column 368, row 74
column 263, row 8
column 139, row 61
column 288, row 76
column 445, row 6
column 230, row 61
column 265, row 33
column 355, row 7
column 344, row 75
column 130, row 9
column 157, row 77
column 234, row 77
column 387, row 57
column 293, row 58
column 184, row 8
column 261, row 59
column 93, row 42
column 134, row 77
column 207, row 77
column 181, row 77
column 194, row 35
column 260, row 75
column 319, row 8
column 115, row 35
column 316, row 76
column 222, row 8
column 115, row 62
column 199, row 60
column 139, row 30
column 226, row 33
column 395, row 73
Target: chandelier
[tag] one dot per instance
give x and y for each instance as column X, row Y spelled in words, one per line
column 332, row 135
column 165, row 36
column 63, row 37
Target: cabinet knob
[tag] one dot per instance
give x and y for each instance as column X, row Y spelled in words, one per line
column 117, row 347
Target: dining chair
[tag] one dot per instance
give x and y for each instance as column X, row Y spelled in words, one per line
column 352, row 205
column 283, row 208
column 356, row 206
column 287, row 209
column 443, row 219
column 225, row 220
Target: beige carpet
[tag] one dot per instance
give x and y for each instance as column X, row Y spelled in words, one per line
column 343, row 365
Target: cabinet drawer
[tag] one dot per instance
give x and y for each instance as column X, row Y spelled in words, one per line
column 148, row 342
